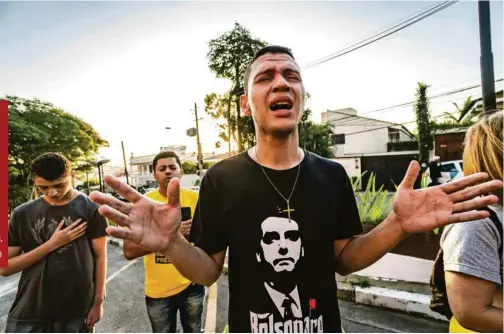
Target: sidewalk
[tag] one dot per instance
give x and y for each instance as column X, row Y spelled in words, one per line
column 115, row 241
column 395, row 282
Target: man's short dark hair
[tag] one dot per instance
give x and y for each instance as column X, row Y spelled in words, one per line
column 164, row 155
column 262, row 52
column 50, row 166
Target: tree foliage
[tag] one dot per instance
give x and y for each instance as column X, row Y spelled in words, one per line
column 242, row 128
column 464, row 116
column 228, row 58
column 425, row 139
column 316, row 138
column 37, row 127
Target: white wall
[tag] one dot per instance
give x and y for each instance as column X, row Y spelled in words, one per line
column 188, row 180
column 369, row 141
column 352, row 165
column 374, row 141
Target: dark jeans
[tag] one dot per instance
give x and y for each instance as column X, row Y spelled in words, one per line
column 72, row 326
column 163, row 311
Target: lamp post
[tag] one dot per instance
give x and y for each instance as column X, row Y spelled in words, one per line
column 100, row 164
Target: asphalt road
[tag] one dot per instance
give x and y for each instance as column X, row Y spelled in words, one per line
column 355, row 318
column 125, row 310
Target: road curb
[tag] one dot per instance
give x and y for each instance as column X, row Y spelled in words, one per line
column 408, row 302
column 115, row 241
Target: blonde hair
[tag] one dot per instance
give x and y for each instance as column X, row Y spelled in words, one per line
column 483, row 148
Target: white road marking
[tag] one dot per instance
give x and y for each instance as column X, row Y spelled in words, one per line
column 114, row 275
column 8, row 292
column 111, row 277
column 211, row 311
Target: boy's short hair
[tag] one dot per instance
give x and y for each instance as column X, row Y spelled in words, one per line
column 164, row 155
column 50, row 166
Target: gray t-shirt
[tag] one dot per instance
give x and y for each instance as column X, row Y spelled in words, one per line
column 61, row 286
column 472, row 248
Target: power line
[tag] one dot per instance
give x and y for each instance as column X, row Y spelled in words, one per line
column 384, row 127
column 370, row 123
column 387, row 32
column 452, row 92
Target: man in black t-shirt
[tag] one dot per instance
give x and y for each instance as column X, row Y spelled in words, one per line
column 58, row 241
column 435, row 171
column 287, row 216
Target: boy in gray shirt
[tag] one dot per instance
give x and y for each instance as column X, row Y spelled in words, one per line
column 58, row 242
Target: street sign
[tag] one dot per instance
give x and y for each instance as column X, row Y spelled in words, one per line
column 191, row 132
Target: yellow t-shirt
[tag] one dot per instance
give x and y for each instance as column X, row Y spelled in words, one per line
column 455, row 327
column 162, row 279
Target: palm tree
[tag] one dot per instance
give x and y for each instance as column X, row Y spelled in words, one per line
column 464, row 114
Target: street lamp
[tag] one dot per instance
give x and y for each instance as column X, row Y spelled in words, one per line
column 100, row 164
column 163, row 148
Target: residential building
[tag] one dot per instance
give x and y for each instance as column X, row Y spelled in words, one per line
column 357, row 135
column 375, row 146
column 141, row 166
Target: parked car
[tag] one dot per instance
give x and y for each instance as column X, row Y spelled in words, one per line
column 450, row 170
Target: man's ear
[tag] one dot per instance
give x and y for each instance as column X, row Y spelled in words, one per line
column 181, row 172
column 245, row 105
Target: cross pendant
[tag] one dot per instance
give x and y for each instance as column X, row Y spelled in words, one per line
column 289, row 210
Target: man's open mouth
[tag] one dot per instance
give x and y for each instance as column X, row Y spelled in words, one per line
column 281, row 105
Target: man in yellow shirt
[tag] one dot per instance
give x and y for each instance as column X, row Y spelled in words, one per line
column 166, row 290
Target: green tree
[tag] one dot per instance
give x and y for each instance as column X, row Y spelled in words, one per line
column 37, row 127
column 228, row 58
column 464, row 113
column 92, row 182
column 316, row 138
column 190, row 167
column 425, row 139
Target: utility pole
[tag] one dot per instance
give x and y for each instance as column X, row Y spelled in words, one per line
column 229, row 123
column 200, row 155
column 125, row 167
column 486, row 57
column 100, row 179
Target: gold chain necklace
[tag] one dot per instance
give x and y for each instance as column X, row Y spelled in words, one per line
column 287, row 200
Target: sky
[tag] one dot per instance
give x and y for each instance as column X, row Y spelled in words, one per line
column 131, row 69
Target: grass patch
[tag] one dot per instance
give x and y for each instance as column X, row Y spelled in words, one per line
column 361, row 282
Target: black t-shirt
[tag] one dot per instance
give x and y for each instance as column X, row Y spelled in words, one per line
column 61, row 286
column 281, row 272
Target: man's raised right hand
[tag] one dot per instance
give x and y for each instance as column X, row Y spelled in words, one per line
column 150, row 224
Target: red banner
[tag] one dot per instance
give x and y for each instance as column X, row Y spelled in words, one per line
column 4, row 174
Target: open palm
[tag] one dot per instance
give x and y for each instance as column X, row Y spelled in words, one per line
column 426, row 209
column 150, row 224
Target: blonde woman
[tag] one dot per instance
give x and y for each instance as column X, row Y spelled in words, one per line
column 472, row 252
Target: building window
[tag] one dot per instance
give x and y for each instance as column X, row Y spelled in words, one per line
column 338, row 139
column 150, row 168
column 393, row 135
